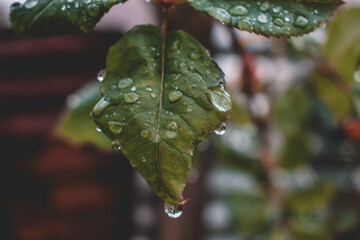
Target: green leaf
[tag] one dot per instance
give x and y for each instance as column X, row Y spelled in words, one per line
column 75, row 124
column 44, row 18
column 158, row 119
column 269, row 18
column 342, row 46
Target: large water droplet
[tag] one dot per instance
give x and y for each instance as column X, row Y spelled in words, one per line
column 219, row 13
column 133, row 88
column 124, row 83
column 101, row 75
column 239, row 10
column 174, row 96
column 131, row 97
column 301, row 21
column 31, row 3
column 244, row 25
column 144, row 133
column 262, row 18
column 15, row 5
column 116, row 127
column 171, row 126
column 116, row 145
column 220, row 99
column 221, row 129
column 100, row 107
column 173, row 211
column 264, row 6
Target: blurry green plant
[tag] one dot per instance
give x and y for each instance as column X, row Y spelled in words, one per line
column 161, row 94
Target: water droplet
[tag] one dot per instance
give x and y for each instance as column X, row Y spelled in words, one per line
column 287, row 19
column 93, row 10
column 98, row 129
column 301, row 21
column 124, row 83
column 173, row 211
column 171, row 126
column 244, row 25
column 316, row 11
column 262, row 18
column 101, row 75
column 113, row 87
column 264, row 6
column 15, row 5
column 144, row 133
column 63, row 7
column 76, row 4
column 357, row 76
column 220, row 99
column 174, row 96
column 219, row 13
column 221, row 129
column 182, row 64
column 31, row 3
column 131, row 97
column 239, row 10
column 170, row 134
column 70, row 1
column 276, row 9
column 100, row 107
column 262, row 28
column 278, row 22
column 116, row 145
column 153, row 95
column 148, row 88
column 87, row 1
column 195, row 55
column 133, row 88
column 116, row 127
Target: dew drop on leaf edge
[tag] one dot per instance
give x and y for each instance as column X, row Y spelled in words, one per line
column 173, row 211
column 221, row 129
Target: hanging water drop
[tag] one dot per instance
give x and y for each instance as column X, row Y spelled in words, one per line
column 101, row 75
column 174, row 96
column 221, row 129
column 239, row 10
column 31, row 3
column 173, row 211
column 15, row 5
column 100, row 107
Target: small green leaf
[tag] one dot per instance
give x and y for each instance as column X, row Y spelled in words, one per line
column 269, row 18
column 162, row 116
column 75, row 124
column 342, row 46
column 44, row 18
